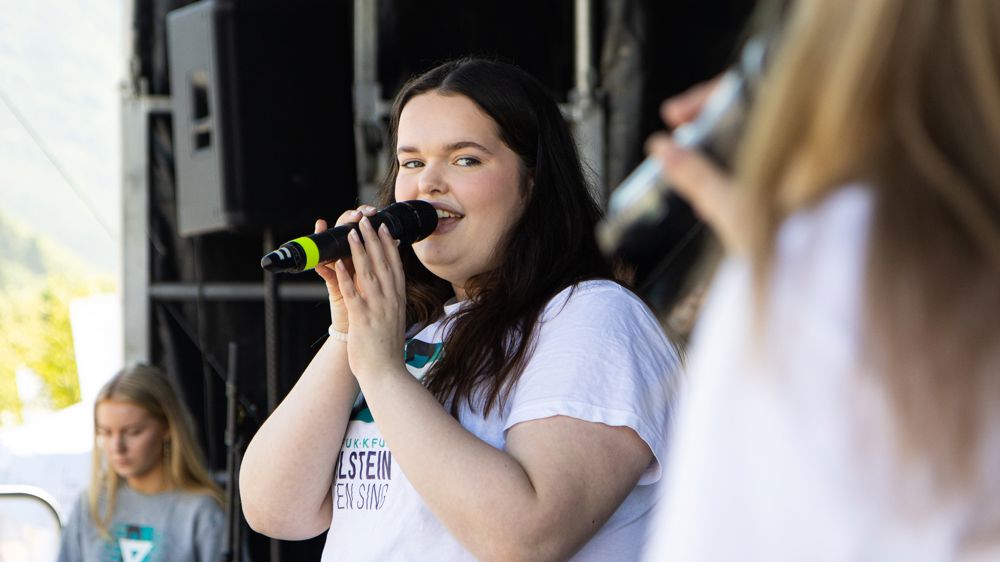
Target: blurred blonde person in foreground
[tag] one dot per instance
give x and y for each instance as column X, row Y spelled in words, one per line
column 845, row 375
column 150, row 496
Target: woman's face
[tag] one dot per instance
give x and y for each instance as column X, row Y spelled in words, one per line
column 450, row 155
column 131, row 438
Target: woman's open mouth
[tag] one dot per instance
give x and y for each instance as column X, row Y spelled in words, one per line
column 447, row 220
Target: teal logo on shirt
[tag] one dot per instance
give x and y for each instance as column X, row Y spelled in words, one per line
column 361, row 412
column 417, row 354
column 132, row 543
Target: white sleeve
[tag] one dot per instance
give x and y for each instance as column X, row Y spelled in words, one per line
column 600, row 356
column 776, row 432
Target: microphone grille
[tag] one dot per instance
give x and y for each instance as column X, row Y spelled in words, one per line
column 418, row 219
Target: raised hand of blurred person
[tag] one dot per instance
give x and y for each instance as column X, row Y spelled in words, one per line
column 703, row 184
column 686, row 106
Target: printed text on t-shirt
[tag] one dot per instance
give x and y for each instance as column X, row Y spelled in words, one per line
column 364, row 472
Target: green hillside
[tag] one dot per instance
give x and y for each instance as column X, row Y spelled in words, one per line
column 38, row 279
column 27, row 257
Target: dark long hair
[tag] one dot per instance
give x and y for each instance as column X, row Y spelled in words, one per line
column 550, row 248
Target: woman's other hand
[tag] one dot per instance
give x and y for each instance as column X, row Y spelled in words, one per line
column 374, row 295
column 338, row 313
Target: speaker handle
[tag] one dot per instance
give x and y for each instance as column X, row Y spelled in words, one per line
column 201, row 110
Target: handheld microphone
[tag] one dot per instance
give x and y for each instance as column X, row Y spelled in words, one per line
column 407, row 221
column 643, row 199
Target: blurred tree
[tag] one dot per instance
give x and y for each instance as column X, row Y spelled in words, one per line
column 35, row 329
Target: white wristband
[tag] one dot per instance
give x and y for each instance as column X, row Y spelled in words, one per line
column 337, row 334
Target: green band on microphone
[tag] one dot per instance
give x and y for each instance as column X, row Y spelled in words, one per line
column 312, row 252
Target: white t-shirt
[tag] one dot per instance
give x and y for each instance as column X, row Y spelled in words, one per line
column 600, row 356
column 784, row 450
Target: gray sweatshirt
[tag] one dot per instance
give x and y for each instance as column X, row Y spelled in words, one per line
column 167, row 527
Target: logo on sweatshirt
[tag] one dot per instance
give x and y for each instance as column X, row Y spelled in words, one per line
column 135, row 543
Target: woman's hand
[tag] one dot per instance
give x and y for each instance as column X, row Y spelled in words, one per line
column 374, row 294
column 287, row 472
column 704, row 185
column 338, row 312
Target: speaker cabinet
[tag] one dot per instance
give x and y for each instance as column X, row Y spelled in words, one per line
column 262, row 112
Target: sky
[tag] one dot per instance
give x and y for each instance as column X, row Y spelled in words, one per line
column 61, row 66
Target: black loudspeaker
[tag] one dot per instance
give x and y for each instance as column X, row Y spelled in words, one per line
column 262, row 112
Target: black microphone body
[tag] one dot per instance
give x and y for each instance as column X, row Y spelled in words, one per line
column 407, row 221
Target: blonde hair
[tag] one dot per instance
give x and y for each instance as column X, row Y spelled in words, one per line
column 184, row 467
column 905, row 97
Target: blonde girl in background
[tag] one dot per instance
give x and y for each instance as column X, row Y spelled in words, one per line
column 151, row 498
